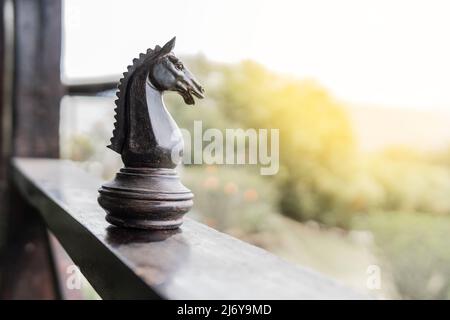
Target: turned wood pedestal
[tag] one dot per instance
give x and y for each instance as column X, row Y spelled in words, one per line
column 145, row 198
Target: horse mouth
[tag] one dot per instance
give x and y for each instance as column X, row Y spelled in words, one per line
column 189, row 93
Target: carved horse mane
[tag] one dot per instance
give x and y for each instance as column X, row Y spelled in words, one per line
column 120, row 125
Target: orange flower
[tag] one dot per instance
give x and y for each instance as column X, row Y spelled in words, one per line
column 250, row 195
column 230, row 188
column 211, row 182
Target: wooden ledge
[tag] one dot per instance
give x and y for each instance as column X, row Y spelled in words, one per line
column 194, row 262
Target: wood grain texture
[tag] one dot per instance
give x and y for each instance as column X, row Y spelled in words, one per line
column 193, row 262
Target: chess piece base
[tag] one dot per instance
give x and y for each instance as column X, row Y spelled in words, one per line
column 145, row 198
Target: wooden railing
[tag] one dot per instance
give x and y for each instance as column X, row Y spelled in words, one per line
column 193, row 262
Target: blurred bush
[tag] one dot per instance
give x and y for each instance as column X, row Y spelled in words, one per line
column 316, row 142
column 414, row 250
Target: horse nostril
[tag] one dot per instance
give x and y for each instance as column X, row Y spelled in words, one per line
column 198, row 86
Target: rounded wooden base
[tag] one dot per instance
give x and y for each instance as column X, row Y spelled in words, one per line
column 145, row 198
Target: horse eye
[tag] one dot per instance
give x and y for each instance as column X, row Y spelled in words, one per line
column 179, row 66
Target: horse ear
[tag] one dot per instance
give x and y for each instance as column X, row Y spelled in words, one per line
column 168, row 47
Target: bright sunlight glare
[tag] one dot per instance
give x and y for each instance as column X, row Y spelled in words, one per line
column 387, row 53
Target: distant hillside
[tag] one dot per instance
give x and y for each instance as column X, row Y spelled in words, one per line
column 377, row 128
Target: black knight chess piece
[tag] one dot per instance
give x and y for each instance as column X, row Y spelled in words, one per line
column 147, row 192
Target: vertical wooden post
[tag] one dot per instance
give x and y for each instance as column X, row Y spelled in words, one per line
column 27, row 269
column 2, row 147
column 38, row 88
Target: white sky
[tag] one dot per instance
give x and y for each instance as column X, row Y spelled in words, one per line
column 383, row 52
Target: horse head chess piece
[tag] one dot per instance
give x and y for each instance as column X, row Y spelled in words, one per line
column 147, row 192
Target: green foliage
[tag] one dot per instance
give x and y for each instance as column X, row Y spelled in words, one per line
column 322, row 177
column 414, row 248
column 316, row 142
column 411, row 185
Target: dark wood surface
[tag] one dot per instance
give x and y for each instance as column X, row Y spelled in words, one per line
column 29, row 127
column 194, row 262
